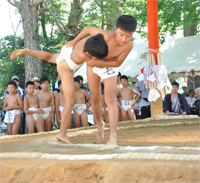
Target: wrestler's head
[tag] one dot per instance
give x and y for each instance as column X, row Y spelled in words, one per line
column 76, row 83
column 124, row 80
column 125, row 27
column 30, row 87
column 11, row 86
column 96, row 47
column 44, row 83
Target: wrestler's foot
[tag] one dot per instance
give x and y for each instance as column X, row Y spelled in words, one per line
column 112, row 140
column 18, row 53
column 100, row 132
column 64, row 139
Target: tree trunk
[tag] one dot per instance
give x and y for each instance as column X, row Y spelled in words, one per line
column 74, row 19
column 42, row 19
column 29, row 13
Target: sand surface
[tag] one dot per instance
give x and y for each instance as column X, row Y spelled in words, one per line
column 166, row 150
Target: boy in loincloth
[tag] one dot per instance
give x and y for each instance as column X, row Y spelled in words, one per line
column 127, row 101
column 12, row 105
column 32, row 109
column 80, row 108
column 60, row 103
column 68, row 61
column 119, row 45
column 46, row 98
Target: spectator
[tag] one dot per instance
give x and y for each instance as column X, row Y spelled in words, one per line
column 55, row 85
column 197, row 102
column 144, row 103
column 36, row 82
column 175, row 102
column 185, row 92
column 21, row 92
column 81, row 84
column 191, row 98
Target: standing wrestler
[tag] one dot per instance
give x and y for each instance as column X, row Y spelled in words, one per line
column 80, row 108
column 45, row 99
column 32, row 109
column 119, row 45
column 127, row 101
column 12, row 105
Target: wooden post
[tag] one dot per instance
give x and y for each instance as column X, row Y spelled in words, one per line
column 153, row 37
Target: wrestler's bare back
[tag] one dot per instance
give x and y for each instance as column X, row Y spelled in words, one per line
column 45, row 98
column 32, row 101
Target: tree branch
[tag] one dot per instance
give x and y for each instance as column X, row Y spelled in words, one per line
column 41, row 11
column 37, row 2
column 15, row 3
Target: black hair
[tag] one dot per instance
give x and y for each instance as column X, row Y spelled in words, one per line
column 79, row 77
column 119, row 74
column 76, row 79
column 96, row 46
column 43, row 79
column 191, row 90
column 175, row 83
column 124, row 77
column 29, row 83
column 11, row 82
column 126, row 23
column 59, row 83
column 56, row 74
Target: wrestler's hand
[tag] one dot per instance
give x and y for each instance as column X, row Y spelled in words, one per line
column 70, row 43
column 40, row 111
column 167, row 113
column 184, row 113
column 133, row 105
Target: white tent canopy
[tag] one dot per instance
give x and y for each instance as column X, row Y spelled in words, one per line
column 180, row 56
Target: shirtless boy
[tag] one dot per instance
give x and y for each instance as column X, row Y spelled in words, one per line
column 60, row 103
column 127, row 101
column 80, row 108
column 32, row 109
column 12, row 105
column 67, row 61
column 119, row 86
column 119, row 45
column 45, row 99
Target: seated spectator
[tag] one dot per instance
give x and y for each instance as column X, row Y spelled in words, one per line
column 175, row 102
column 197, row 102
column 191, row 98
column 55, row 85
column 185, row 92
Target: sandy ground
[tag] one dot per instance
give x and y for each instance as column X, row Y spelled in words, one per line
column 148, row 151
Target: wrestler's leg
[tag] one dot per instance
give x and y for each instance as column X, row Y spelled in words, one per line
column 10, row 125
column 131, row 114
column 110, row 85
column 39, row 124
column 120, row 114
column 47, row 123
column 95, row 89
column 77, row 120
column 16, row 124
column 84, row 118
column 67, row 79
column 30, row 123
column 124, row 114
column 43, row 55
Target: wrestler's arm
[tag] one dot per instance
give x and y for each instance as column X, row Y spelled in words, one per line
column 5, row 107
column 110, row 63
column 89, row 30
column 20, row 102
column 89, row 100
column 138, row 95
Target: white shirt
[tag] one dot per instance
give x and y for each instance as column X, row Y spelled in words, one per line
column 190, row 100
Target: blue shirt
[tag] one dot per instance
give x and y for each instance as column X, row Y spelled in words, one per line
column 141, row 88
